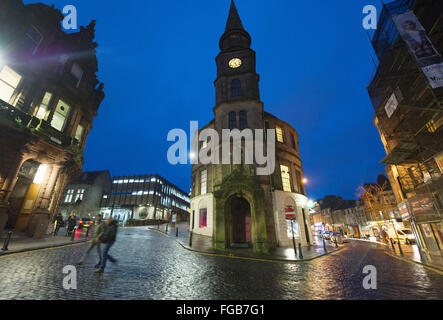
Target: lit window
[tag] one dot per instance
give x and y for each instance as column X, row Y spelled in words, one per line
column 243, row 120
column 280, row 135
column 69, row 195
column 60, row 115
column 203, row 179
column 131, row 180
column 80, row 194
column 125, row 181
column 203, row 218
column 439, row 160
column 79, row 133
column 105, row 197
column 286, row 178
column 9, row 80
column 42, row 112
column 431, row 127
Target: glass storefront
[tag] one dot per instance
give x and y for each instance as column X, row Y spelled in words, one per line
column 431, row 235
column 292, row 226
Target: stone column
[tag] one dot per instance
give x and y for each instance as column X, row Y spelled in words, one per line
column 9, row 183
column 41, row 217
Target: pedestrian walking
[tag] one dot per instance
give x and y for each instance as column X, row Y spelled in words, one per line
column 58, row 221
column 72, row 221
column 96, row 243
column 108, row 239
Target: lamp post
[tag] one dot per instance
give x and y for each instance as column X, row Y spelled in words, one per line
column 293, row 238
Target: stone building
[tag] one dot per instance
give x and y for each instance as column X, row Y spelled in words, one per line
column 49, row 95
column 84, row 194
column 408, row 114
column 229, row 202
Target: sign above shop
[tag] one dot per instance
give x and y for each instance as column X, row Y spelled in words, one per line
column 422, row 205
column 404, row 211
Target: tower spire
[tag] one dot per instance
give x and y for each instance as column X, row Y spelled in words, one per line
column 235, row 36
column 234, row 21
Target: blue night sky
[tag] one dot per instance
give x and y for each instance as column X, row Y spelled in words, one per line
column 156, row 59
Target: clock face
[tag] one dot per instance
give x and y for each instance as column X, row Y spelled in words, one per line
column 235, row 63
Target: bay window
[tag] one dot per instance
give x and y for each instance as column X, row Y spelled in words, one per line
column 60, row 115
column 79, row 133
column 43, row 110
column 286, row 178
column 9, row 81
column 203, row 180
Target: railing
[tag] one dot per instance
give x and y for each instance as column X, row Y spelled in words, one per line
column 37, row 126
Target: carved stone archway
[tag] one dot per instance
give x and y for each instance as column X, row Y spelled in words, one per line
column 240, row 184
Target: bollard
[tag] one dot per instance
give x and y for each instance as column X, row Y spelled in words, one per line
column 392, row 244
column 336, row 243
column 190, row 239
column 324, row 246
column 167, row 225
column 6, row 244
column 87, row 233
column 300, row 252
column 73, row 233
column 399, row 248
column 176, row 230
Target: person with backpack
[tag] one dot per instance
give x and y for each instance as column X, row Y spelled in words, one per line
column 108, row 239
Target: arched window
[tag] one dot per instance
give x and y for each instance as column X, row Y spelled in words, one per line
column 236, row 88
column 243, row 120
column 232, row 120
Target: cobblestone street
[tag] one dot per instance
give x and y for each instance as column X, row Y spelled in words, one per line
column 153, row 266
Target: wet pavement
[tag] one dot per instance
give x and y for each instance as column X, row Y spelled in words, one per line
column 204, row 244
column 153, row 266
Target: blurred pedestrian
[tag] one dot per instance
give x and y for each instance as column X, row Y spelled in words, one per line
column 72, row 221
column 58, row 221
column 98, row 233
column 108, row 238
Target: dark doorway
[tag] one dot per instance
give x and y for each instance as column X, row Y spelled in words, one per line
column 241, row 222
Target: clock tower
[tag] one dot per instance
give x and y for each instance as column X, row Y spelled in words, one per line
column 236, row 76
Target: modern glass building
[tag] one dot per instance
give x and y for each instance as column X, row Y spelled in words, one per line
column 144, row 197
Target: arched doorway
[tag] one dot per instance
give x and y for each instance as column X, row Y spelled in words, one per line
column 25, row 178
column 240, row 226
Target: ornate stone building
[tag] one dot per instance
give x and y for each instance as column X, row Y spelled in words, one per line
column 409, row 115
column 229, row 202
column 49, row 95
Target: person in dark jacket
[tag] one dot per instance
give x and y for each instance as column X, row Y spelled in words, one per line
column 72, row 221
column 58, row 223
column 108, row 239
